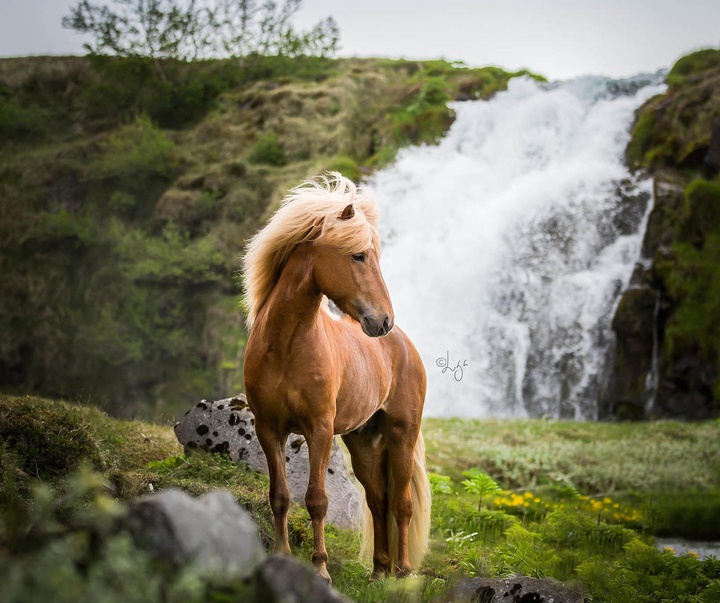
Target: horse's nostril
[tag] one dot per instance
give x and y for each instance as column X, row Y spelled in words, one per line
column 386, row 326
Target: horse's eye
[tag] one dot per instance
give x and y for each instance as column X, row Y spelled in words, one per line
column 358, row 257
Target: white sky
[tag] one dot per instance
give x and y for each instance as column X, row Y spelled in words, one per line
column 558, row 38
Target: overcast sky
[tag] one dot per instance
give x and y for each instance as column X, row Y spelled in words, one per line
column 558, row 38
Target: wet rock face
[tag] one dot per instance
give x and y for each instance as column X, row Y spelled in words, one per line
column 646, row 379
column 228, row 427
column 634, row 327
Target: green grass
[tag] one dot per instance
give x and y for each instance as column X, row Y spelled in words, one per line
column 578, row 501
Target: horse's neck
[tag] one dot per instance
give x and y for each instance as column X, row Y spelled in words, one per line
column 294, row 301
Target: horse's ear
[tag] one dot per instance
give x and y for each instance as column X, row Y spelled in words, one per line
column 348, row 212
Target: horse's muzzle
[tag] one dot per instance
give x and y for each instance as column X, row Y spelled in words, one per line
column 377, row 327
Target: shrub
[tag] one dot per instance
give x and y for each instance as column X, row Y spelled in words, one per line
column 136, row 151
column 267, row 150
column 22, row 121
column 347, row 166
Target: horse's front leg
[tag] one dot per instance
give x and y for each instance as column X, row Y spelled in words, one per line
column 319, row 447
column 401, row 448
column 273, row 446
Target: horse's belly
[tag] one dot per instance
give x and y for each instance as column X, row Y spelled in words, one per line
column 357, row 402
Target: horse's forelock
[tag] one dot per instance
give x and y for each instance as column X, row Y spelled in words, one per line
column 309, row 211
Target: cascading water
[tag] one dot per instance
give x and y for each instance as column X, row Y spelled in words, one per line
column 506, row 246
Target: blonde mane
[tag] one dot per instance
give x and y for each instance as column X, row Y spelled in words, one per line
column 310, row 211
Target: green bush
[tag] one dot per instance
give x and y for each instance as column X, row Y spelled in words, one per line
column 425, row 117
column 137, row 151
column 173, row 93
column 267, row 150
column 19, row 120
column 347, row 166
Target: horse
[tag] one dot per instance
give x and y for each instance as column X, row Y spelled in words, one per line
column 311, row 373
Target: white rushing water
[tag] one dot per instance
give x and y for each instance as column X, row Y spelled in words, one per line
column 506, row 246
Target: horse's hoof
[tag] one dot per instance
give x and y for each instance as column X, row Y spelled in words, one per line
column 378, row 575
column 402, row 572
column 321, row 572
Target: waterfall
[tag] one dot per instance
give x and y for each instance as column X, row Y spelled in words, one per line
column 507, row 246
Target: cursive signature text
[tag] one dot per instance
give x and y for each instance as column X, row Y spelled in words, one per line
column 444, row 363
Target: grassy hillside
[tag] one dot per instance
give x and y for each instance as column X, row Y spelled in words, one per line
column 126, row 199
column 579, row 502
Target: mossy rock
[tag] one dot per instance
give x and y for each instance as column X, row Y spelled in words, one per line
column 675, row 129
column 701, row 212
column 49, row 438
column 692, row 65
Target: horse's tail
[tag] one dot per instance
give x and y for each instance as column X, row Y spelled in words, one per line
column 419, row 530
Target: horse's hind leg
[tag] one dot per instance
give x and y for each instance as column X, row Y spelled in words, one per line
column 319, row 447
column 369, row 463
column 274, row 448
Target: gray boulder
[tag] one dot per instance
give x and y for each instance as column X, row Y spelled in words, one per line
column 284, row 580
column 519, row 589
column 213, row 533
column 228, row 427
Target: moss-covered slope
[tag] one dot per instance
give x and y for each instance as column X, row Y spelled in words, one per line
column 668, row 323
column 127, row 192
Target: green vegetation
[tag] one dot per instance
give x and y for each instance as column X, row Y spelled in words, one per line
column 267, row 150
column 673, row 129
column 578, row 502
column 127, row 198
column 694, row 65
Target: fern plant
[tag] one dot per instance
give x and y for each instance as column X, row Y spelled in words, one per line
column 480, row 483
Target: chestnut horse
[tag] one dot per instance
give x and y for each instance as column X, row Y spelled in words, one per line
column 309, row 373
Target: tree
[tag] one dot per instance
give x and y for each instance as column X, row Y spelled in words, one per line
column 244, row 28
column 153, row 28
column 190, row 29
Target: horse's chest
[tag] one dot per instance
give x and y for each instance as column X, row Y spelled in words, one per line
column 290, row 376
